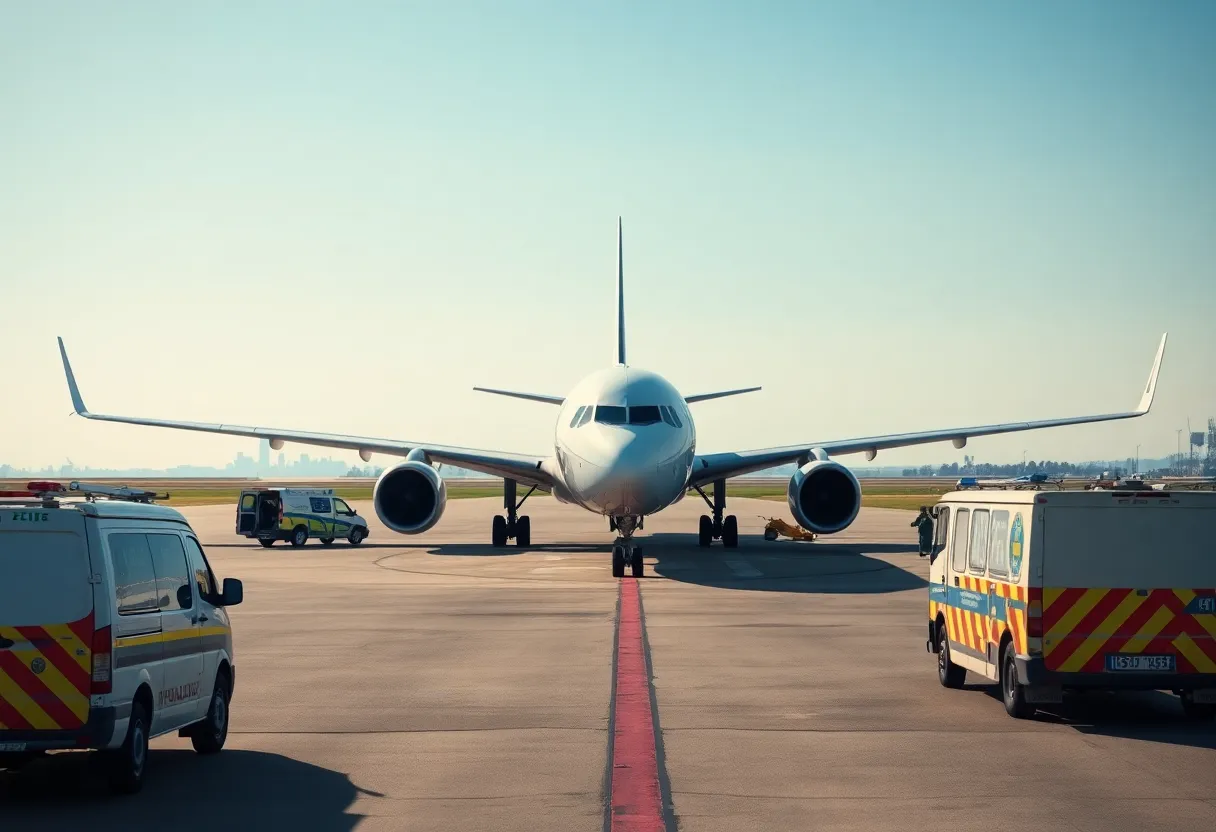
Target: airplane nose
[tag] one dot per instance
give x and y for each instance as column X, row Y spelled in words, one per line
column 623, row 467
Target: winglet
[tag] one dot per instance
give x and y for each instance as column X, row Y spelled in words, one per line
column 620, row 294
column 1146, row 401
column 77, row 402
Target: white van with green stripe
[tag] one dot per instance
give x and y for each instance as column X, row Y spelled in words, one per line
column 296, row 514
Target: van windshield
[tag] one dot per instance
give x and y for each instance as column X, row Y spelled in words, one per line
column 44, row 578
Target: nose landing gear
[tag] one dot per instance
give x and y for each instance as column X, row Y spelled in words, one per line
column 626, row 554
column 513, row 525
column 724, row 528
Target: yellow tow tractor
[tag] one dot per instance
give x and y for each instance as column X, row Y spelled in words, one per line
column 775, row 527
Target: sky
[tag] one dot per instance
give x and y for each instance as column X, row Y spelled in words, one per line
column 342, row 216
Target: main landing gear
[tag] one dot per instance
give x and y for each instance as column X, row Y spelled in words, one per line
column 625, row 553
column 513, row 525
column 724, row 528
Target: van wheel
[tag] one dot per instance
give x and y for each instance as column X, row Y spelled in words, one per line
column 127, row 764
column 356, row 536
column 948, row 673
column 1012, row 693
column 326, row 541
column 265, row 542
column 209, row 735
column 300, row 536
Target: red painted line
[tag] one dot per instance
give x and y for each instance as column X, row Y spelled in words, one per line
column 636, row 799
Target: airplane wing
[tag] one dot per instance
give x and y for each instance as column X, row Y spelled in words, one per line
column 531, row 470
column 710, row 467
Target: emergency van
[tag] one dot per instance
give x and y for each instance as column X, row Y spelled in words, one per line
column 296, row 514
column 113, row 629
column 1047, row 591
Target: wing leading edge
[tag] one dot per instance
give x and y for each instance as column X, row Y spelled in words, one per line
column 710, row 467
column 533, row 470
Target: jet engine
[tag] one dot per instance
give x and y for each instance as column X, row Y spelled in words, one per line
column 410, row 497
column 824, row 496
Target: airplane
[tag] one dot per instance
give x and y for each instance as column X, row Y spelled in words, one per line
column 625, row 446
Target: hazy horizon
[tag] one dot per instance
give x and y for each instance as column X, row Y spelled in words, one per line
column 341, row 219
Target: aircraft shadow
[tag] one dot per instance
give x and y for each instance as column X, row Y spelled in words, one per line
column 1150, row 716
column 777, row 566
column 239, row 790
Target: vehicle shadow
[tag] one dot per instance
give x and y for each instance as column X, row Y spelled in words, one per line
column 1149, row 715
column 235, row 790
column 784, row 566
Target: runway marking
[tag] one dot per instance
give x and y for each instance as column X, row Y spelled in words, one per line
column 742, row 569
column 636, row 800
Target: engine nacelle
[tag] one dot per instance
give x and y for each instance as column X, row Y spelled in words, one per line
column 824, row 496
column 410, row 497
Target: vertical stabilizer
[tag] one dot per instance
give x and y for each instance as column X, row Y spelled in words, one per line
column 620, row 295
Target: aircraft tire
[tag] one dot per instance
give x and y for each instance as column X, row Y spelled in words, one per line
column 705, row 532
column 498, row 531
column 618, row 562
column 730, row 532
column 637, row 566
column 523, row 532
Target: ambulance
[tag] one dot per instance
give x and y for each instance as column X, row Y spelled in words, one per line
column 296, row 514
column 1050, row 591
column 113, row 629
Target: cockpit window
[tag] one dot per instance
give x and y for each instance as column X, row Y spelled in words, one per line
column 674, row 418
column 577, row 415
column 644, row 414
column 586, row 416
column 666, row 414
column 609, row 414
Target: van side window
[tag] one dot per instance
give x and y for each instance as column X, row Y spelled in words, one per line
column 172, row 575
column 341, row 507
column 943, row 524
column 320, row 505
column 134, row 577
column 204, row 580
column 979, row 540
column 248, row 502
column 958, row 548
column 998, row 544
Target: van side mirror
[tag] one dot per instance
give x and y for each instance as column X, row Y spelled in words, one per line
column 233, row 594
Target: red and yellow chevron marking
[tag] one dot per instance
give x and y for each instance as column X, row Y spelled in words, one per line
column 1082, row 625
column 44, row 683
column 976, row 629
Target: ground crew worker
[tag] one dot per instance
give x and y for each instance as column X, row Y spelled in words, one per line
column 924, row 522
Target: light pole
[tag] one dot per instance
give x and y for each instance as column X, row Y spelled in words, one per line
column 1137, row 471
column 1023, row 462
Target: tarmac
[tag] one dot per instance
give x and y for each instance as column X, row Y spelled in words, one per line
column 436, row 683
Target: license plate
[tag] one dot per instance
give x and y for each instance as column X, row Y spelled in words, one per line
column 1136, row 662
column 12, row 746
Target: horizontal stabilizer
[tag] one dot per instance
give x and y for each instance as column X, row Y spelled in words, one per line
column 700, row 397
column 532, row 397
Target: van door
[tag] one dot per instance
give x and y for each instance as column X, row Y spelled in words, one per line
column 211, row 621
column 247, row 513
column 321, row 521
column 269, row 509
column 1130, row 587
column 46, row 620
column 182, row 657
column 138, row 641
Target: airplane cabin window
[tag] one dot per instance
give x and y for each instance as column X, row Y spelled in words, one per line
column 644, row 414
column 578, row 414
column 609, row 414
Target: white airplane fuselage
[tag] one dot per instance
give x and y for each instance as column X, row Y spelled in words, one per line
column 624, row 459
